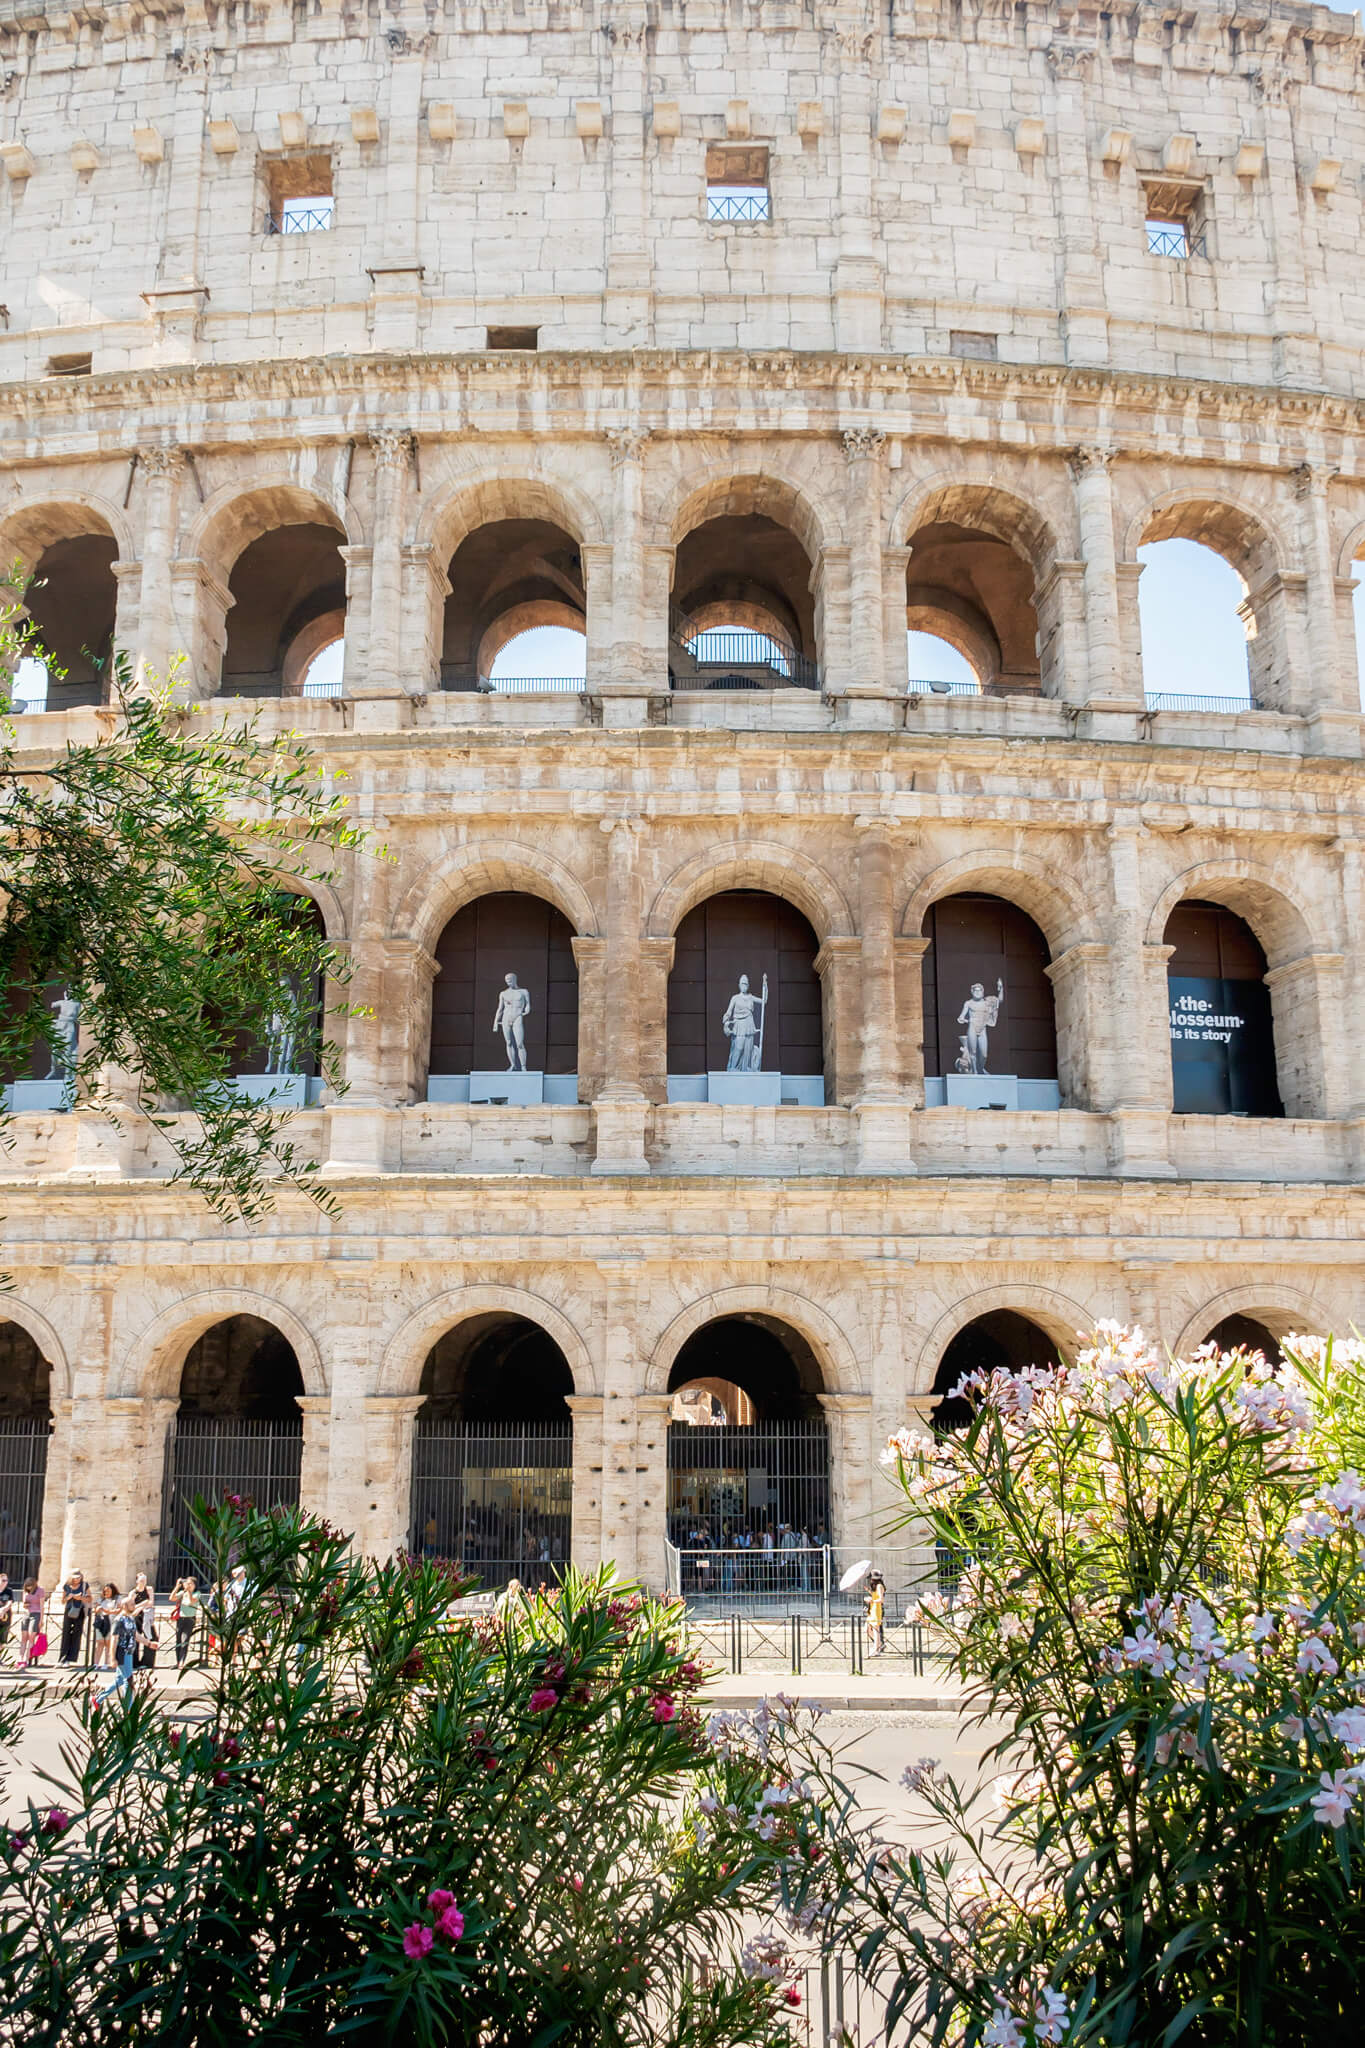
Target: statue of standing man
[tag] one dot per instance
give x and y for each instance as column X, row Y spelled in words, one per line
column 514, row 1007
column 743, row 1026
column 980, row 1014
column 66, row 1019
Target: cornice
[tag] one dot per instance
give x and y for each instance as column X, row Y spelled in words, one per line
column 635, row 390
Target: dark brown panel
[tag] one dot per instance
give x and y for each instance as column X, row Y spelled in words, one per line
column 986, row 939
column 748, row 932
column 492, row 937
column 1214, row 942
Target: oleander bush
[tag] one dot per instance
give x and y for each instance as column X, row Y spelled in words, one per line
column 369, row 1822
column 1165, row 1608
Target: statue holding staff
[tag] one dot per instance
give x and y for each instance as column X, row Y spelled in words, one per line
column 743, row 1026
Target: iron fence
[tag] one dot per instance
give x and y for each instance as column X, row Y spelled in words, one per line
column 756, row 1487
column 23, row 1475
column 215, row 1456
column 530, row 686
column 749, row 1578
column 298, row 220
column 935, row 686
column 736, row 658
column 1177, row 700
column 1173, row 238
column 755, row 205
column 496, row 1498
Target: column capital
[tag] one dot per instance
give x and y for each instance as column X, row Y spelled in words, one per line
column 862, row 444
column 392, row 447
column 162, row 460
column 1088, row 459
column 627, row 444
column 1310, row 479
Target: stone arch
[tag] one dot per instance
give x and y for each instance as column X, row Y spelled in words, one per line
column 834, row 1354
column 44, row 1335
column 238, row 513
column 400, row 1369
column 1244, row 535
column 779, row 870
column 1056, row 1314
column 1352, row 550
column 324, row 896
column 524, row 618
column 1285, row 1311
column 1271, row 906
column 739, row 493
column 450, row 881
column 152, row 1361
column 31, row 525
column 467, row 502
column 990, row 508
column 1025, row 879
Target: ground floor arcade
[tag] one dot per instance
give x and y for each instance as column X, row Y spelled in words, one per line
column 519, row 1374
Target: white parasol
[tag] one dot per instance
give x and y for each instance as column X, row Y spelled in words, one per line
column 854, row 1573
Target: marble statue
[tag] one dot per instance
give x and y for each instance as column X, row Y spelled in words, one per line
column 743, row 1026
column 980, row 1013
column 514, row 1007
column 281, row 1037
column 66, row 1017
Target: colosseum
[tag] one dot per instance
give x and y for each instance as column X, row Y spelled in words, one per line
column 755, row 1034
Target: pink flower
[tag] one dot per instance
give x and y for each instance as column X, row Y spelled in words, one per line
column 451, row 1923
column 542, row 1699
column 792, row 1995
column 440, row 1902
column 1335, row 1800
column 664, row 1709
column 55, row 1822
column 418, row 1941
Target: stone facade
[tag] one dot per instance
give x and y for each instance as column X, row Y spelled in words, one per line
column 941, row 193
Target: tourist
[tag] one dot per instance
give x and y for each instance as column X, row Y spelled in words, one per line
column 234, row 1592
column 105, row 1610
column 6, row 1610
column 185, row 1605
column 32, row 1636
column 875, row 1602
column 76, row 1604
column 144, row 1614
column 125, row 1646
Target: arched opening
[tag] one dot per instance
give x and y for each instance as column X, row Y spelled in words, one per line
column 1194, row 628
column 744, row 1008
column 1001, row 1341
column 1222, row 1033
column 25, row 1430
column 492, row 1477
column 508, row 578
column 288, row 589
column 38, row 1074
column 990, row 1027
column 971, row 582
column 939, row 665
column 743, row 616
column 71, row 603
column 748, row 1464
column 543, row 657
column 286, row 1066
column 323, row 675
column 238, row 1430
column 504, row 1008
column 1246, row 1333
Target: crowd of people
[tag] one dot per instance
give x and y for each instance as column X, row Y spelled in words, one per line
column 105, row 1629
column 747, row 1557
column 495, row 1542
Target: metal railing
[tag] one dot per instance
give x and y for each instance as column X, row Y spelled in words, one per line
column 935, row 686
column 215, row 1456
column 1173, row 239
column 803, row 1643
column 530, row 686
column 299, row 220
column 494, row 1497
column 736, row 658
column 1176, row 700
column 725, row 206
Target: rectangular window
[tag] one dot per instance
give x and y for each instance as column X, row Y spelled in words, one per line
column 737, row 183
column 1176, row 226
column 69, row 366
column 298, row 194
column 512, row 337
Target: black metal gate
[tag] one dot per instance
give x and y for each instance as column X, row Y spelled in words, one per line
column 495, row 1496
column 730, row 1484
column 23, row 1474
column 215, row 1455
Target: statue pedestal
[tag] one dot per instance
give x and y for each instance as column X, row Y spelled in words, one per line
column 981, row 1091
column 38, row 1095
column 284, row 1091
column 518, row 1091
column 755, row 1091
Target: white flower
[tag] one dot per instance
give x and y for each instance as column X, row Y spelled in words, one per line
column 1051, row 2020
column 1349, row 1727
column 1335, row 1800
column 922, row 1776
column 1314, row 1655
column 1238, row 1664
column 709, row 1802
column 1261, row 1627
column 1004, row 2031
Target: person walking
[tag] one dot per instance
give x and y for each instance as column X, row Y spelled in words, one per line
column 143, row 1597
column 876, row 1613
column 6, row 1611
column 125, row 1646
column 34, row 1600
column 76, row 1604
column 185, row 1604
column 106, row 1607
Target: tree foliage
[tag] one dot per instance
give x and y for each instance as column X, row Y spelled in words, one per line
column 153, row 874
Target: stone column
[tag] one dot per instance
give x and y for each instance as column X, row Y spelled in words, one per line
column 1131, row 1061
column 586, row 1531
column 864, row 453
column 909, row 955
column 1327, row 686
column 595, row 560
column 383, row 1523
column 622, row 1372
column 633, row 664
column 135, row 1431
column 859, row 272
column 162, row 469
column 621, row 1106
column 1085, row 320
column 200, row 603
column 1313, row 1061
column 314, row 1479
column 651, row 1483
column 883, row 1114
column 656, row 964
column 56, row 1555
column 426, row 587
column 1105, row 681
column 355, row 666
column 895, row 666
column 848, row 1417
column 838, row 964
column 392, row 460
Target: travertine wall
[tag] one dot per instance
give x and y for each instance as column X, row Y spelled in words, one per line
column 797, row 370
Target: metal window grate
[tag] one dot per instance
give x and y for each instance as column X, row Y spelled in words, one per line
column 215, row 1455
column 755, row 205
column 1173, row 238
column 496, row 1497
column 299, row 220
column 23, row 1474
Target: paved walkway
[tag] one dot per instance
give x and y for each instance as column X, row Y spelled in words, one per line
column 894, row 1691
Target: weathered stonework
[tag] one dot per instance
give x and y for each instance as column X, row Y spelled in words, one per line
column 799, row 371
